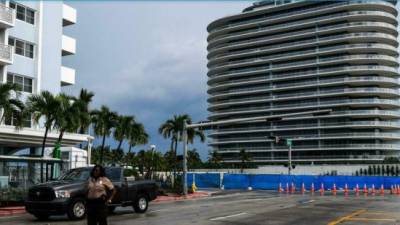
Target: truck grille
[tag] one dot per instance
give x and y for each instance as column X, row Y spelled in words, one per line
column 41, row 194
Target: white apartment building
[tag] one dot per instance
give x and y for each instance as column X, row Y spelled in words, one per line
column 32, row 45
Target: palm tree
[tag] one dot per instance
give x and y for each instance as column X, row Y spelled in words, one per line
column 194, row 160
column 214, row 158
column 123, row 129
column 103, row 121
column 9, row 100
column 245, row 157
column 43, row 105
column 137, row 136
column 83, row 100
column 67, row 116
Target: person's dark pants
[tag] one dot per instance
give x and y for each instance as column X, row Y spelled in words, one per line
column 96, row 211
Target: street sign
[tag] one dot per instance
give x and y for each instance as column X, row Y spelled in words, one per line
column 288, row 142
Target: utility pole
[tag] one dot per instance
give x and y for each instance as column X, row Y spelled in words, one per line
column 185, row 146
column 289, row 144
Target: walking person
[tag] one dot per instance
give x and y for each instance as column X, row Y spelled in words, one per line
column 99, row 187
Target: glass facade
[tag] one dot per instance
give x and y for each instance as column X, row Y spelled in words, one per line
column 280, row 57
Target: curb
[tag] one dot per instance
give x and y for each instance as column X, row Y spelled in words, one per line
column 177, row 198
column 11, row 211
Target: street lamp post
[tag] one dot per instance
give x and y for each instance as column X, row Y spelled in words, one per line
column 152, row 147
column 234, row 121
column 185, row 148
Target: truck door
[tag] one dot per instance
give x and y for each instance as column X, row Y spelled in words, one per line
column 115, row 175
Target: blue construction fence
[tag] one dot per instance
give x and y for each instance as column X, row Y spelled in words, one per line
column 271, row 182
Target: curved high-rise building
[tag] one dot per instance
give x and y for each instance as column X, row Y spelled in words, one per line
column 279, row 57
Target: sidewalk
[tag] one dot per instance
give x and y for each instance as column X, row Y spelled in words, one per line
column 11, row 211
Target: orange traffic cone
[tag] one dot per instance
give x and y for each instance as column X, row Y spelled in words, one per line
column 303, row 189
column 346, row 189
column 293, row 189
column 373, row 189
column 287, row 188
column 382, row 191
column 397, row 189
column 312, row 188
column 392, row 191
column 280, row 188
column 365, row 190
column 322, row 189
column 334, row 189
column 357, row 189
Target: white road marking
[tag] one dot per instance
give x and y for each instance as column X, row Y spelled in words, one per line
column 159, row 210
column 309, row 201
column 225, row 217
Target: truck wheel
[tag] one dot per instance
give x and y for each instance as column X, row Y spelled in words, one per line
column 141, row 204
column 77, row 209
column 41, row 216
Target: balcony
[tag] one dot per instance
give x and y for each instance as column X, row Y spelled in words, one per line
column 6, row 54
column 68, row 45
column 67, row 76
column 69, row 15
column 7, row 16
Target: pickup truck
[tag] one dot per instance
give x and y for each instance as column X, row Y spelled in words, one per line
column 66, row 195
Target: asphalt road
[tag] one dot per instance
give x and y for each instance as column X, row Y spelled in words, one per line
column 253, row 208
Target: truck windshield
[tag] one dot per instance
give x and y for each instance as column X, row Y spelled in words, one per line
column 77, row 174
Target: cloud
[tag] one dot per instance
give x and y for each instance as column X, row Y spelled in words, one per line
column 145, row 58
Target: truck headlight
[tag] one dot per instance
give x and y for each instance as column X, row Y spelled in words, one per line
column 62, row 194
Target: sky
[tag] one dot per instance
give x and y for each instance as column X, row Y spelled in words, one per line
column 146, row 58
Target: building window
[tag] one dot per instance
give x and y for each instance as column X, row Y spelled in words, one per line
column 24, row 83
column 11, row 120
column 22, row 47
column 23, row 13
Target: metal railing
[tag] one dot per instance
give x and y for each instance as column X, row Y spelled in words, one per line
column 290, row 14
column 303, row 63
column 311, row 136
column 309, row 147
column 321, row 125
column 303, row 53
column 328, row 17
column 308, row 41
column 298, row 84
column 325, row 103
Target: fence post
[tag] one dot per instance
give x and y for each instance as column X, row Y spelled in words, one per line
column 221, row 180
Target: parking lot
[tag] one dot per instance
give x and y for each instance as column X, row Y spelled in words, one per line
column 252, row 208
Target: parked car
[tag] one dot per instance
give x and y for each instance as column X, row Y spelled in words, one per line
column 66, row 195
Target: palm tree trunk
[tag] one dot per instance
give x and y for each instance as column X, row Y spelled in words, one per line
column 102, row 149
column 130, row 148
column 42, row 153
column 60, row 137
column 119, row 144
